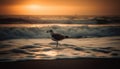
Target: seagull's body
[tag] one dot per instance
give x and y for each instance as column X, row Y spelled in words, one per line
column 56, row 36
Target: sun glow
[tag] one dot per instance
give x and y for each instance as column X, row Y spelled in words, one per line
column 32, row 7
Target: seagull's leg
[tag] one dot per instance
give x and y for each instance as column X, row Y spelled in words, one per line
column 57, row 44
column 60, row 44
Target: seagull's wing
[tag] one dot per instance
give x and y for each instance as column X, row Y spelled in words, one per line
column 57, row 36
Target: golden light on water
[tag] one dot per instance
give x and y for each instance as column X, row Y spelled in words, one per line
column 51, row 53
column 61, row 25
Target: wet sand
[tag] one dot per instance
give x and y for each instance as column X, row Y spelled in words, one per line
column 45, row 49
column 84, row 63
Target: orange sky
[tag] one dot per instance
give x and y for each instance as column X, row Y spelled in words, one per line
column 59, row 7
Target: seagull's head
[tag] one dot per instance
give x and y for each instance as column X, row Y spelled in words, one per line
column 50, row 31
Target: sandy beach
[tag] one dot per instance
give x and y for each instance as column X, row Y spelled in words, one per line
column 64, row 64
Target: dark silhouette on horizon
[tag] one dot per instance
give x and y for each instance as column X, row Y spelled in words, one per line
column 56, row 36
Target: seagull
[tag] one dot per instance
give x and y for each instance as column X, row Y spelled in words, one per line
column 56, row 36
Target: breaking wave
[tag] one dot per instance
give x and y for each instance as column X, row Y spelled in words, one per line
column 73, row 32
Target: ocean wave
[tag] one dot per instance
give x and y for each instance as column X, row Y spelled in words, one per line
column 72, row 32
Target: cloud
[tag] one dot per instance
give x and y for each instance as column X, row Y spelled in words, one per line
column 10, row 2
column 79, row 2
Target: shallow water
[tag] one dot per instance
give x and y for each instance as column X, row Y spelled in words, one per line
column 45, row 49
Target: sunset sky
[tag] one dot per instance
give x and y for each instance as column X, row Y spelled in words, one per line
column 59, row 7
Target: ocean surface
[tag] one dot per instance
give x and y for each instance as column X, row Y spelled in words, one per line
column 45, row 49
column 26, row 38
column 17, row 31
column 73, row 19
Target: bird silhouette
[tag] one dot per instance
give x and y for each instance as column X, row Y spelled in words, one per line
column 56, row 36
